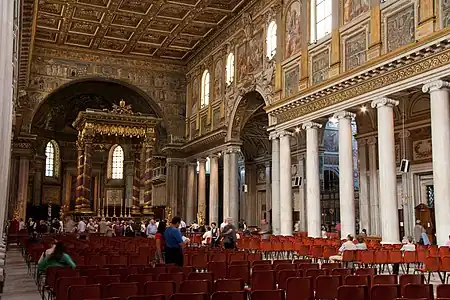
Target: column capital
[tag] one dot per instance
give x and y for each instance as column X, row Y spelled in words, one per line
column 233, row 149
column 273, row 135
column 344, row 114
column 404, row 134
column 284, row 133
column 311, row 125
column 362, row 142
column 201, row 160
column 372, row 140
column 384, row 101
column 435, row 85
column 214, row 156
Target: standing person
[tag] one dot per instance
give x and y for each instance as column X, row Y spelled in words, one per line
column 174, row 243
column 143, row 228
column 195, row 226
column 81, row 229
column 224, row 223
column 229, row 235
column 102, row 227
column 183, row 226
column 159, row 239
column 22, row 226
column 58, row 258
column 152, row 228
column 70, row 225
column 215, row 234
column 418, row 230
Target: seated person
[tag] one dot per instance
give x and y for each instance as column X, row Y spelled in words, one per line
column 57, row 259
column 361, row 245
column 346, row 246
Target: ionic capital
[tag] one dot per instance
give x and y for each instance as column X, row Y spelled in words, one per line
column 233, row 149
column 201, row 160
column 344, row 114
column 311, row 125
column 435, row 85
column 372, row 140
column 385, row 101
column 273, row 135
column 362, row 142
column 214, row 156
column 284, row 133
column 404, row 134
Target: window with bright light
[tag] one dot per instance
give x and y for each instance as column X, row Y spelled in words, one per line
column 271, row 40
column 321, row 17
column 230, row 68
column 50, row 159
column 205, row 88
column 207, row 166
column 117, row 163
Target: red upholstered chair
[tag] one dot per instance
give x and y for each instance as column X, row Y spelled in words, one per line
column 147, row 297
column 385, row 279
column 410, row 278
column 354, row 292
column 299, row 288
column 177, row 277
column 236, row 295
column 239, row 271
column 195, row 286
column 342, row 271
column 63, row 284
column 357, row 280
column 263, row 280
column 327, row 286
column 122, row 290
column 267, row 295
column 283, row 275
column 81, row 292
column 219, row 269
column 228, row 285
column 183, row 296
column 414, row 290
column 366, row 271
column 330, row 266
column 385, row 292
column 443, row 291
column 201, row 276
column 166, row 288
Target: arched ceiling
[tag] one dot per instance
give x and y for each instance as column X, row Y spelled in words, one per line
column 254, row 136
column 60, row 109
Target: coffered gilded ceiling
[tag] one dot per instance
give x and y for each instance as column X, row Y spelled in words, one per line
column 154, row 28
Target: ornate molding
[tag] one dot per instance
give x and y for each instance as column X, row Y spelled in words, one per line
column 377, row 103
column 344, row 114
column 311, row 125
column 373, row 140
column 435, row 86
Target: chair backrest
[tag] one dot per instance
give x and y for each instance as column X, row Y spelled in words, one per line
column 385, row 279
column 263, row 280
column 327, row 286
column 443, row 291
column 166, row 288
column 354, row 292
column 201, row 276
column 184, row 296
column 239, row 271
column 366, row 271
column 341, row 271
column 414, row 290
column 228, row 285
column 267, row 295
column 330, row 266
column 122, row 290
column 385, row 292
column 107, row 279
column 177, row 277
column 81, row 292
column 283, row 275
column 262, row 267
column 147, row 297
column 223, row 295
column 219, row 269
column 357, row 280
column 63, row 283
column 299, row 288
column 195, row 286
column 410, row 278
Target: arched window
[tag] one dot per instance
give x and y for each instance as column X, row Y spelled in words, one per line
column 271, row 40
column 321, row 16
column 51, row 159
column 230, row 68
column 205, row 88
column 117, row 162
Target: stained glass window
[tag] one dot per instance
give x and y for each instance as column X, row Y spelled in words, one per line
column 117, row 163
column 50, row 160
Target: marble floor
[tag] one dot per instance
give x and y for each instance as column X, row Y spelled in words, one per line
column 18, row 285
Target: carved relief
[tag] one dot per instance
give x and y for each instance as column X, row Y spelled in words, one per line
column 400, row 28
column 355, row 51
column 291, row 80
column 320, row 65
column 293, row 34
column 445, row 13
column 216, row 118
column 354, row 8
column 242, row 64
column 422, row 149
column 255, row 53
column 195, row 95
column 218, row 80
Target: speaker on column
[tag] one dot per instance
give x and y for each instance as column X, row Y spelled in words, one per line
column 298, row 181
column 245, row 188
column 404, row 166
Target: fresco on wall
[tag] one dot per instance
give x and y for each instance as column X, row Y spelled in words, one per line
column 354, row 8
column 291, row 79
column 446, row 12
column 255, row 53
column 242, row 68
column 218, row 79
column 320, row 65
column 400, row 29
column 355, row 51
column 293, row 29
column 195, row 95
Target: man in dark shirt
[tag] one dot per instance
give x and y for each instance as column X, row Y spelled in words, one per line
column 229, row 235
column 174, row 243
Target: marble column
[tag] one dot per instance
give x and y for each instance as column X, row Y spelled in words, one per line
column 201, row 210
column 136, row 182
column 313, row 179
column 191, row 169
column 268, row 175
column 276, row 221
column 79, row 194
column 440, row 133
column 364, row 209
column 214, row 189
column 129, row 182
column 285, row 184
column 87, row 175
column 388, row 174
column 68, row 189
column 148, row 148
column 39, row 163
column 234, row 184
column 407, row 200
column 346, row 186
column 375, row 228
column 172, row 184
column 226, row 185
column 24, row 169
column 301, row 196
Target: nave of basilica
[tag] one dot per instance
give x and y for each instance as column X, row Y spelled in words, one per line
column 324, row 114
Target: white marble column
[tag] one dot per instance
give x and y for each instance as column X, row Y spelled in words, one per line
column 373, row 185
column 24, row 169
column 285, row 184
column 313, row 179
column 275, row 184
column 388, row 174
column 234, row 184
column 364, row 209
column 346, row 186
column 214, row 189
column 407, row 201
column 268, row 193
column 226, row 186
column 440, row 133
column 301, row 197
column 190, row 215
column 201, row 192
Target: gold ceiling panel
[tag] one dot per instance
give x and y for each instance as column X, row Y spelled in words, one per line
column 160, row 28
